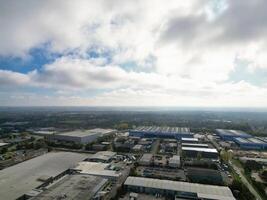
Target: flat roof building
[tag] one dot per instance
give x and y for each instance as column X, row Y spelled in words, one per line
column 146, row 159
column 189, row 140
column 3, row 144
column 259, row 160
column 230, row 135
column 203, row 175
column 195, row 145
column 138, row 147
column 102, row 156
column 80, row 136
column 23, row 177
column 97, row 169
column 174, row 161
column 178, row 189
column 203, row 152
column 71, row 187
column 251, row 143
column 161, row 132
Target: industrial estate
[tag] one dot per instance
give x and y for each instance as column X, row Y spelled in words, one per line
column 145, row 162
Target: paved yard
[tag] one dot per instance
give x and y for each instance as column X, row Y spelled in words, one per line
column 21, row 178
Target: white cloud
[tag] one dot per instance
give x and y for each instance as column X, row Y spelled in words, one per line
column 8, row 78
column 183, row 51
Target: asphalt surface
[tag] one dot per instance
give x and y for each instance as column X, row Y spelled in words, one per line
column 23, row 177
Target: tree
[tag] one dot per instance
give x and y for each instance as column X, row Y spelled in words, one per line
column 252, row 165
column 199, row 156
column 24, row 134
column 123, row 126
column 240, row 190
column 89, row 146
column 4, row 150
column 263, row 175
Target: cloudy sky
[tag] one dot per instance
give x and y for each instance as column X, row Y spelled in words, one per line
column 133, row 53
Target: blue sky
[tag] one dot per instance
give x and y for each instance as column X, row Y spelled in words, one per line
column 133, row 53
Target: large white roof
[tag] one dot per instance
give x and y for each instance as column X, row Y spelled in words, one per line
column 203, row 191
column 210, row 150
column 3, row 144
column 83, row 133
column 95, row 168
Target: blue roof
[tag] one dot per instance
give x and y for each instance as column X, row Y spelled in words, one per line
column 249, row 141
column 232, row 133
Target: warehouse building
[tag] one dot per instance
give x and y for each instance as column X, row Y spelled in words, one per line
column 194, row 152
column 74, row 187
column 161, row 132
column 251, row 143
column 200, row 145
column 207, row 176
column 189, row 140
column 79, row 136
column 102, row 156
column 3, row 145
column 174, row 161
column 138, row 148
column 230, row 135
column 146, row 159
column 25, row 176
column 97, row 169
column 262, row 161
column 180, row 190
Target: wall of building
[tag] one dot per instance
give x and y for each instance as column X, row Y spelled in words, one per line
column 159, row 135
column 76, row 139
column 194, row 154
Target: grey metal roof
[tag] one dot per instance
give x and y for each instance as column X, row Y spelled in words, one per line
column 250, row 141
column 189, row 139
column 146, row 157
column 103, row 155
column 159, row 129
column 234, row 133
column 73, row 187
column 175, row 159
column 3, row 144
column 195, row 145
column 263, row 160
column 203, row 191
column 83, row 133
column 23, row 177
column 211, row 150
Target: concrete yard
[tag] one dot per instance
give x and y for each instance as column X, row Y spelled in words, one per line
column 21, row 178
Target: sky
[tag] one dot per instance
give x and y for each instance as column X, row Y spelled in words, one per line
column 194, row 53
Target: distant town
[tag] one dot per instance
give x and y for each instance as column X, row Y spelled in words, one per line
column 123, row 160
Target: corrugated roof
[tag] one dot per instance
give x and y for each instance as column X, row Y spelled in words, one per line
column 195, row 145
column 83, row 133
column 159, row 129
column 189, row 139
column 94, row 168
column 203, row 191
column 233, row 133
column 250, row 141
column 146, row 157
column 3, row 144
column 211, row 150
